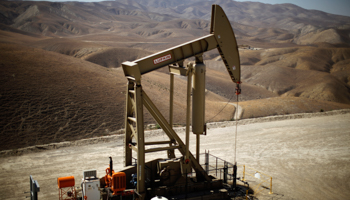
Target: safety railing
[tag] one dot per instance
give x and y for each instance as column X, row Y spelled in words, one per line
column 34, row 188
column 217, row 167
column 224, row 170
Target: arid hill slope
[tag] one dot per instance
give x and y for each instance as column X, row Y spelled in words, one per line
column 252, row 21
column 49, row 97
column 61, row 78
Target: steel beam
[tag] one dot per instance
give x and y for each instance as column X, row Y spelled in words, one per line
column 157, row 115
column 128, row 130
column 140, row 141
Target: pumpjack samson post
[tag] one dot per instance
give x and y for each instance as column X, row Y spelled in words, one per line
column 222, row 38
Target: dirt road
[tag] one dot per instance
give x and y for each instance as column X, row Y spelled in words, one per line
column 239, row 109
column 308, row 158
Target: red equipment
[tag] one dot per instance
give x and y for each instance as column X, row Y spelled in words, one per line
column 115, row 180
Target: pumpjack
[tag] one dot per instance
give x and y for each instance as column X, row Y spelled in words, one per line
column 172, row 176
column 163, row 176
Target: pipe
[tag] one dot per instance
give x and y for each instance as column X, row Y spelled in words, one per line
column 110, row 166
column 188, row 110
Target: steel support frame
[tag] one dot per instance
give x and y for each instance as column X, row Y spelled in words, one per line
column 221, row 37
column 135, row 100
column 157, row 115
column 134, row 115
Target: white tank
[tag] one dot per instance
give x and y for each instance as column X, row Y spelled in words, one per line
column 159, row 198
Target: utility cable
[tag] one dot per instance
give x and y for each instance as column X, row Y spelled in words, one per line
column 236, row 131
column 238, row 92
column 221, row 109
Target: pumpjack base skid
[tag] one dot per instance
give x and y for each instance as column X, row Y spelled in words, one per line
column 174, row 185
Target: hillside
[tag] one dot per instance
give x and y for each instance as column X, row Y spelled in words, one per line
column 252, row 21
column 49, row 97
column 61, row 77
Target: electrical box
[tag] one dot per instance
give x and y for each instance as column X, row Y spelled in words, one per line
column 91, row 189
column 91, row 185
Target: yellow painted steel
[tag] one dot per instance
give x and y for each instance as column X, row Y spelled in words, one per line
column 271, row 186
column 243, row 178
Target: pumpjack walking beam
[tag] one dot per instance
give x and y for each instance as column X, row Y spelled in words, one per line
column 222, row 38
